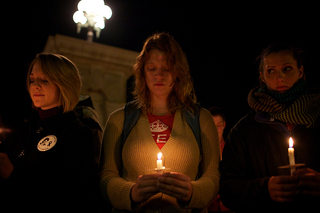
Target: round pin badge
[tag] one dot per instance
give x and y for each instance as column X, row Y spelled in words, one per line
column 47, row 143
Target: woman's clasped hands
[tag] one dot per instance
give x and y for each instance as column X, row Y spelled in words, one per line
column 174, row 184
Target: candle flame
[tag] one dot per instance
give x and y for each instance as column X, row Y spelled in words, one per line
column 159, row 156
column 290, row 142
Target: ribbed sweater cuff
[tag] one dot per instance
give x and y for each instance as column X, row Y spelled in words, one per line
column 196, row 195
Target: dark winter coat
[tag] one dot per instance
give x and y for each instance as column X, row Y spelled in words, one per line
column 49, row 176
column 256, row 146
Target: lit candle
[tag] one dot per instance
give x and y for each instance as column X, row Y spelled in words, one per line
column 291, row 152
column 159, row 161
column 291, row 155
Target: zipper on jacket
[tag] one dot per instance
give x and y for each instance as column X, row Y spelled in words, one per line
column 290, row 126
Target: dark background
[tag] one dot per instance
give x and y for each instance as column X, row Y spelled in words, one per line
column 221, row 39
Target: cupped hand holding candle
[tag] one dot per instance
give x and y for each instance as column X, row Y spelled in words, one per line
column 145, row 187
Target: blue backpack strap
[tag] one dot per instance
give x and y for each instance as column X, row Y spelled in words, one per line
column 192, row 120
column 131, row 116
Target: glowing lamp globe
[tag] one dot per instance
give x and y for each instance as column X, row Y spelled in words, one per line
column 92, row 14
column 78, row 17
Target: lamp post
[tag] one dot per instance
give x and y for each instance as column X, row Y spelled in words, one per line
column 92, row 14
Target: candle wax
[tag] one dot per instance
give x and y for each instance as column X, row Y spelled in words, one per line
column 159, row 164
column 159, row 161
column 291, row 152
column 291, row 156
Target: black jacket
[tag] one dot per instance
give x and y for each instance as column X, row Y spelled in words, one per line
column 58, row 179
column 256, row 146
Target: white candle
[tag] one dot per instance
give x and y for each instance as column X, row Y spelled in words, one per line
column 159, row 161
column 291, row 152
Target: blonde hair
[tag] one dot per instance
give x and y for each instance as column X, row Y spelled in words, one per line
column 64, row 74
column 182, row 96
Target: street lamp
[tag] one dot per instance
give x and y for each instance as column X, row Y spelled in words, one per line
column 91, row 14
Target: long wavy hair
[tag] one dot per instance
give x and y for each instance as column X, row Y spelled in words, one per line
column 182, row 95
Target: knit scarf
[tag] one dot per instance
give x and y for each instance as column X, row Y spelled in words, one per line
column 299, row 105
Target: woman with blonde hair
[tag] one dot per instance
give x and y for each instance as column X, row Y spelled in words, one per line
column 164, row 99
column 47, row 165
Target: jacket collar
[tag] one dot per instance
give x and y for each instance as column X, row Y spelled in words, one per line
column 57, row 122
column 263, row 117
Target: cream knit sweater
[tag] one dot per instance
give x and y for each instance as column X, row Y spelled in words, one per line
column 139, row 155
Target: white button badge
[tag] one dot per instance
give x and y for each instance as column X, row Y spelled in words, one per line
column 47, row 143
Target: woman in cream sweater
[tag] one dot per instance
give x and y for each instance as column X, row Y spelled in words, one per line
column 163, row 91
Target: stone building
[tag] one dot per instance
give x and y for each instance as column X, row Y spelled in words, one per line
column 105, row 70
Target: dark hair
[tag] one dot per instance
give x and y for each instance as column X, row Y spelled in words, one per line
column 276, row 48
column 216, row 111
column 182, row 95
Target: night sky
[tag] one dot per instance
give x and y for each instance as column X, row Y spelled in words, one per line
column 221, row 41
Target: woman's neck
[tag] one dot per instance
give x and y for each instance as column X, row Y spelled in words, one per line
column 159, row 107
column 50, row 112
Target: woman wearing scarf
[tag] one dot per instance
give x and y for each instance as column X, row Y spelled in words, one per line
column 282, row 107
